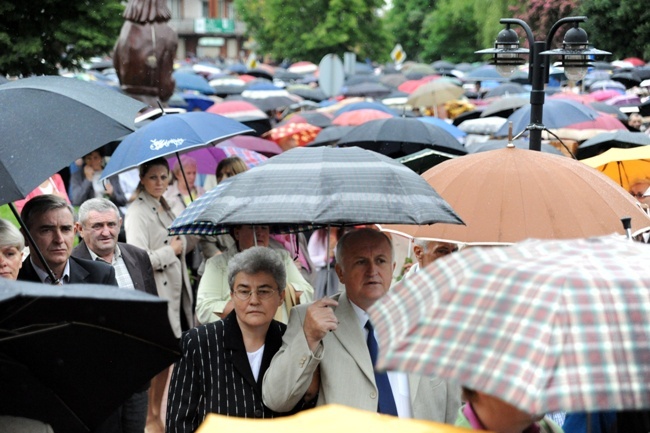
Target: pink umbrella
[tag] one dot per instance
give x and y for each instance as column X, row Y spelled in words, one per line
column 260, row 145
column 239, row 110
column 626, row 100
column 207, row 158
column 604, row 95
column 358, row 117
column 604, row 121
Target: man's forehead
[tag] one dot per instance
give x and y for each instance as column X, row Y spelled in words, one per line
column 106, row 216
column 61, row 216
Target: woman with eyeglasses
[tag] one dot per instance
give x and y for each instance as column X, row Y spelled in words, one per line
column 223, row 362
column 637, row 188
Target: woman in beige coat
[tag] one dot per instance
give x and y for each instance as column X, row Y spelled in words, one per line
column 146, row 225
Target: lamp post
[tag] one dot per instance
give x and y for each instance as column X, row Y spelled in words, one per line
column 507, row 55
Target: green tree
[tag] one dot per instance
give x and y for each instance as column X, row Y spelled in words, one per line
column 621, row 27
column 450, row 32
column 39, row 37
column 309, row 29
column 404, row 23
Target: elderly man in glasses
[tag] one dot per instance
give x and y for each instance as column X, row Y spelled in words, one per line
column 427, row 251
column 223, row 362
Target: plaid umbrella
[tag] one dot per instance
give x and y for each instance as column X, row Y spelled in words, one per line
column 543, row 325
column 318, row 186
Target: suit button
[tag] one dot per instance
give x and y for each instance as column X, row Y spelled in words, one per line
column 166, row 240
column 373, row 394
column 302, row 361
column 165, row 283
column 259, row 413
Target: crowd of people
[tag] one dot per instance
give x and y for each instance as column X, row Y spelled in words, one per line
column 268, row 325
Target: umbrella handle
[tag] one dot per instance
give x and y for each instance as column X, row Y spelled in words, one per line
column 627, row 225
column 32, row 246
column 187, row 184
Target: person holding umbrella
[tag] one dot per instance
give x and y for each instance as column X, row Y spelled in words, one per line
column 146, row 225
column 223, row 362
column 85, row 183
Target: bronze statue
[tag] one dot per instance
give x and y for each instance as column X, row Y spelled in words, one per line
column 144, row 53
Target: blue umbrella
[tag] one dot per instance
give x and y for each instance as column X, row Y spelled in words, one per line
column 450, row 128
column 171, row 134
column 190, row 81
column 364, row 105
column 557, row 113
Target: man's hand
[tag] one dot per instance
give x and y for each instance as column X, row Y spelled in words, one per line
column 319, row 320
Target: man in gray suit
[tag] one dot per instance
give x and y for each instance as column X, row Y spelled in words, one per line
column 327, row 341
column 99, row 227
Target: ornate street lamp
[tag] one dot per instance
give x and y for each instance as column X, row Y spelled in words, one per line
column 575, row 53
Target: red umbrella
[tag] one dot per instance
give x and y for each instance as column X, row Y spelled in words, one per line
column 410, row 85
column 238, row 110
column 293, row 135
column 635, row 61
column 358, row 117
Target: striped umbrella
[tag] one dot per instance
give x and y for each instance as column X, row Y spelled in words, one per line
column 544, row 325
column 317, row 187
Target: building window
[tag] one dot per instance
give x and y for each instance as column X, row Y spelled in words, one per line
column 175, row 8
column 205, row 9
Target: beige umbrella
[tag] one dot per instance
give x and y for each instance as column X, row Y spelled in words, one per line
column 435, row 93
column 511, row 194
column 325, row 419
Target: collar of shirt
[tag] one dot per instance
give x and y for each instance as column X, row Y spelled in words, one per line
column 117, row 253
column 476, row 423
column 44, row 277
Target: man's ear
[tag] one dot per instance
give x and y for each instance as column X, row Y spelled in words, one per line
column 417, row 250
column 78, row 228
column 339, row 272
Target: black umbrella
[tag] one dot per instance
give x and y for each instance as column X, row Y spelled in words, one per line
column 315, row 118
column 400, row 136
column 506, row 89
column 312, row 94
column 609, row 109
column 70, row 355
column 59, row 120
column 330, row 135
column 423, row 160
column 373, row 90
column 607, row 140
column 504, row 107
column 501, row 144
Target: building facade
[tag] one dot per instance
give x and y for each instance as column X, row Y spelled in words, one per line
column 207, row 28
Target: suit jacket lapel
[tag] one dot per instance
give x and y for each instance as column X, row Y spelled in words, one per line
column 271, row 346
column 77, row 273
column 236, row 351
column 351, row 336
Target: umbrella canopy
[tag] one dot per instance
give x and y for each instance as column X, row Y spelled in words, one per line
column 360, row 105
column 59, row 119
column 241, row 111
column 607, row 85
column 171, row 134
column 325, row 419
column 191, row 81
column 315, row 118
column 372, row 90
column 450, row 128
column 67, row 353
column 318, row 186
column 257, row 144
column 359, row 117
column 435, row 93
column 543, row 325
column 207, row 158
column 607, row 140
column 501, row 144
column 557, row 113
column 623, row 166
column 423, row 160
column 303, row 68
column 392, row 80
column 512, row 194
column 330, row 135
column 506, row 89
column 293, row 135
column 306, row 92
column 504, row 107
column 483, row 125
column 401, row 136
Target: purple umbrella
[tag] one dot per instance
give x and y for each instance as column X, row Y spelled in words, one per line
column 207, row 158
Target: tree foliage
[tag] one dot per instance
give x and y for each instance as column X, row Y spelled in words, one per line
column 540, row 15
column 404, row 23
column 309, row 29
column 39, row 37
column 450, row 32
column 621, row 27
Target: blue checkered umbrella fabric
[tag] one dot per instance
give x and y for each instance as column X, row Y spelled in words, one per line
column 544, row 325
column 309, row 187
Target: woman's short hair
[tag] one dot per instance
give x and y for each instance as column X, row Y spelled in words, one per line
column 234, row 162
column 258, row 259
column 10, row 236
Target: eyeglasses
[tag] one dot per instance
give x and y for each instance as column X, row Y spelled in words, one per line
column 637, row 194
column 262, row 294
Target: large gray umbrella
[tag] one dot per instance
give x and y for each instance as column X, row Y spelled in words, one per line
column 318, row 186
column 607, row 140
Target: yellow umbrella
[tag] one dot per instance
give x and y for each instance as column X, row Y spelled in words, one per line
column 324, row 419
column 435, row 93
column 624, row 166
